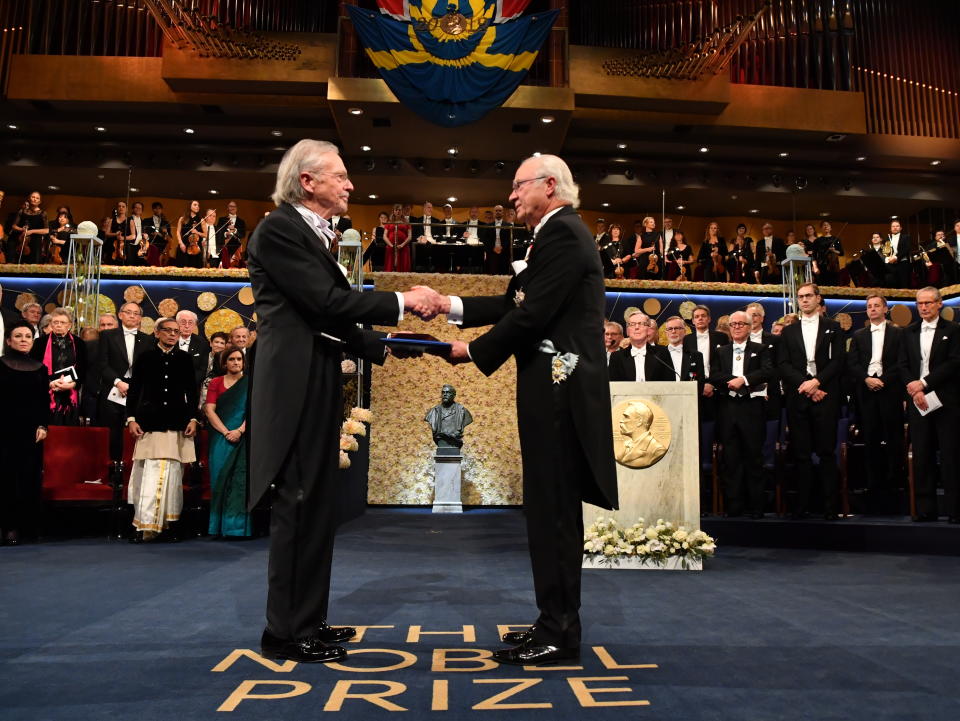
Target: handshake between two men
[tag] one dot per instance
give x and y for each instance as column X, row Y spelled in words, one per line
column 427, row 304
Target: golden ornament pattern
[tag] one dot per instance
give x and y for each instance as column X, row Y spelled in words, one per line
column 401, row 445
column 134, row 294
column 845, row 321
column 223, row 320
column 168, row 307
column 23, row 299
column 207, row 301
column 651, row 306
column 147, row 324
column 245, row 295
column 686, row 309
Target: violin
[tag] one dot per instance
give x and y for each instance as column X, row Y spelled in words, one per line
column 238, row 259
column 193, row 242
column 653, row 267
column 118, row 253
column 718, row 268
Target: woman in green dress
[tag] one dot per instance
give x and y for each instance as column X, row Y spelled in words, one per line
column 225, row 407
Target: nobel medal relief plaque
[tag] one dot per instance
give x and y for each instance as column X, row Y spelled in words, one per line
column 641, row 433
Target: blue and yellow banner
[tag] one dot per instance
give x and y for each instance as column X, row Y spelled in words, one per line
column 452, row 62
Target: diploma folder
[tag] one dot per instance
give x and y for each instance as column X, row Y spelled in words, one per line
column 418, row 343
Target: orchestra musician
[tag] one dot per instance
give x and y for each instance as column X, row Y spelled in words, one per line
column 187, row 235
column 135, row 238
column 231, row 237
column 157, row 230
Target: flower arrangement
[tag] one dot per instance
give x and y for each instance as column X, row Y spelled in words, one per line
column 609, row 543
column 353, row 426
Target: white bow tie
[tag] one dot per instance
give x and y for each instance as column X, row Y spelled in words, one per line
column 130, row 332
column 738, row 348
column 676, row 349
column 809, row 320
column 928, row 326
column 638, row 351
column 876, row 328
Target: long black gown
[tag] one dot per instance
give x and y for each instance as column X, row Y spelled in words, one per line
column 23, row 386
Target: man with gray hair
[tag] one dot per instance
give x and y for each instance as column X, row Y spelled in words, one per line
column 548, row 321
column 308, row 317
column 193, row 343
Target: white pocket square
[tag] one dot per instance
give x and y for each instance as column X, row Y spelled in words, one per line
column 753, row 355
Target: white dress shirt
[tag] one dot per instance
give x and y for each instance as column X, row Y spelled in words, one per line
column 703, row 345
column 427, row 232
column 472, row 230
column 739, row 351
column 927, row 331
column 809, row 327
column 766, row 246
column 676, row 356
column 639, row 361
column 895, row 243
column 756, row 336
column 877, row 333
column 496, row 230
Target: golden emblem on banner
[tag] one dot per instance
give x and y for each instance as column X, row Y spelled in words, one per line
column 453, row 24
column 641, row 433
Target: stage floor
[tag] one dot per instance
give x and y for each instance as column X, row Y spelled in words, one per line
column 105, row 630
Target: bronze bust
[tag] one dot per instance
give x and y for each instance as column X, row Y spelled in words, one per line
column 447, row 421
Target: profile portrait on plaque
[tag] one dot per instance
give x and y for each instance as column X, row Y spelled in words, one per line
column 641, row 433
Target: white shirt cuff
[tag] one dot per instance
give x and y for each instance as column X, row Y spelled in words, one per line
column 455, row 316
column 400, row 301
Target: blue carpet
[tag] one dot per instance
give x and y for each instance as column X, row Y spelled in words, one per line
column 101, row 630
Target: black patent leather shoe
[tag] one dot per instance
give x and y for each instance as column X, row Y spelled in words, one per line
column 335, row 634
column 515, row 638
column 530, row 654
column 304, row 650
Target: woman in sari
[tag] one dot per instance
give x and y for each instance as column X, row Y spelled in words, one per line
column 225, row 408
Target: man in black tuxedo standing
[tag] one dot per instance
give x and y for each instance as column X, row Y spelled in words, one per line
column 810, row 359
column 308, row 318
column 873, row 362
column 930, row 364
column 117, row 351
column 496, row 244
column 900, row 262
column 193, row 343
column 640, row 361
column 687, row 365
column 766, row 243
column 231, row 230
column 549, row 320
column 740, row 373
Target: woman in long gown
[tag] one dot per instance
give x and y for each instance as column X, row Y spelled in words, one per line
column 23, row 386
column 225, row 409
column 397, row 236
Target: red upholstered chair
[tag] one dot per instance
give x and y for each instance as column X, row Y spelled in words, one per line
column 76, row 465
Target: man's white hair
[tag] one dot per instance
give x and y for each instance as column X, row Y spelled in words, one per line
column 304, row 156
column 186, row 314
column 552, row 166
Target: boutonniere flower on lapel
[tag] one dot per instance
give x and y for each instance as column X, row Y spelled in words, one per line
column 518, row 296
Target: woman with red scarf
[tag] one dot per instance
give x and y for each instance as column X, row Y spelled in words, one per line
column 65, row 358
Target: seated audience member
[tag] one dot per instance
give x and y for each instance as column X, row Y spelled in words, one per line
column 740, row 374
column 225, row 408
column 162, row 416
column 612, row 336
column 65, row 357
column 642, row 360
column 23, row 386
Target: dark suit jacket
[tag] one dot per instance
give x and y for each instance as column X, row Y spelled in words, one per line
column 199, row 352
column 563, row 301
column 300, row 293
column 828, row 355
column 162, row 396
column 760, row 252
column 416, row 226
column 717, row 340
column 656, row 365
column 240, row 226
column 944, row 360
column 691, row 367
column 861, row 349
column 757, row 369
column 343, row 223
column 112, row 355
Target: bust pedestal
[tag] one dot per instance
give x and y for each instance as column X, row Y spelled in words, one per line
column 447, row 478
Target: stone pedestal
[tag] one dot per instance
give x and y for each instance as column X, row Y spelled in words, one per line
column 446, row 487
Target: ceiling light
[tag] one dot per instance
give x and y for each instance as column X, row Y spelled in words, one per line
column 894, row 217
column 189, row 131
column 100, row 129
column 100, row 176
column 355, row 111
column 134, row 190
column 536, row 153
column 452, row 151
column 12, row 126
column 861, row 158
column 824, row 214
column 214, row 192
column 784, row 155
column 681, row 207
column 754, row 210
column 621, row 146
column 605, row 205
column 452, row 199
column 366, row 148
column 276, row 133
column 935, row 162
column 53, row 187
column 704, row 149
column 547, row 119
column 373, row 196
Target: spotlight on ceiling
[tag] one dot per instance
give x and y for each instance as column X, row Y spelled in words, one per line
column 355, row 111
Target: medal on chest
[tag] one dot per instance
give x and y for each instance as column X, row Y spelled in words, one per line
column 518, row 296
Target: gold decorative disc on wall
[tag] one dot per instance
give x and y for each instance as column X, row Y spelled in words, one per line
column 224, row 320
column 629, row 312
column 168, row 307
column 147, row 325
column 134, row 294
column 207, row 301
column 651, row 306
column 901, row 315
column 23, row 299
column 844, row 319
column 686, row 309
column 947, row 313
column 245, row 295
column 641, row 433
